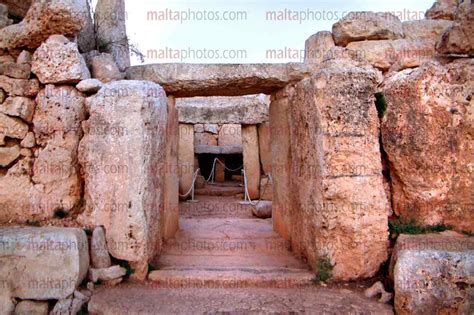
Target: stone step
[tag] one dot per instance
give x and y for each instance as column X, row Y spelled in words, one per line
column 215, row 207
column 151, row 299
column 229, row 259
column 210, row 190
column 194, row 246
column 214, row 277
column 225, row 228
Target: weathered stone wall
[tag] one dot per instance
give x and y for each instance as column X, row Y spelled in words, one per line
column 124, row 191
column 427, row 132
column 338, row 200
column 39, row 137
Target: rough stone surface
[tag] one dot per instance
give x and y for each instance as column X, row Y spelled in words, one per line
column 8, row 155
column 230, row 135
column 251, row 159
column 99, row 254
column 123, row 167
column 17, row 8
column 70, row 305
column 185, row 157
column 427, row 132
column 205, row 138
column 15, row 70
column 433, row 274
column 264, row 147
column 12, row 127
column 89, row 86
column 442, row 10
column 425, row 29
column 249, row 109
column 59, row 110
column 29, row 141
column 65, row 17
column 58, row 61
column 263, row 209
column 24, row 57
column 22, row 107
column 364, row 25
column 105, row 274
column 377, row 289
column 317, row 45
column 19, row 87
column 170, row 217
column 336, row 170
column 281, row 164
column 6, row 304
column 110, row 18
column 31, row 307
column 399, row 54
column 86, row 38
column 187, row 80
column 42, row 263
column 4, row 20
column 104, row 68
column 458, row 38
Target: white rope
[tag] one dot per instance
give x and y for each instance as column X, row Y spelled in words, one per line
column 212, row 174
column 246, row 192
column 192, row 185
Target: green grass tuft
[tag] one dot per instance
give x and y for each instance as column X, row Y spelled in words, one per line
column 399, row 226
column 323, row 270
column 380, row 103
column 126, row 265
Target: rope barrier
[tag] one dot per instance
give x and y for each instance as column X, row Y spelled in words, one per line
column 212, row 174
column 191, row 189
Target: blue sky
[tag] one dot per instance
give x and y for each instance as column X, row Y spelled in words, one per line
column 194, row 31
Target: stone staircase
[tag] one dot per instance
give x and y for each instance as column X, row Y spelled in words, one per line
column 228, row 253
column 225, row 261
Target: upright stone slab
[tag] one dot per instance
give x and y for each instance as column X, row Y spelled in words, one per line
column 338, row 200
column 251, row 159
column 109, row 19
column 281, row 162
column 185, row 157
column 427, row 132
column 264, row 147
column 170, row 220
column 123, row 155
column 42, row 263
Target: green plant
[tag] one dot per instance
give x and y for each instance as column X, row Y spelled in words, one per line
column 400, row 226
column 151, row 268
column 83, row 310
column 380, row 104
column 88, row 231
column 323, row 270
column 126, row 265
column 468, row 233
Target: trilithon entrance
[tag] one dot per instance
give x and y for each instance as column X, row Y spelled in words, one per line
column 225, row 236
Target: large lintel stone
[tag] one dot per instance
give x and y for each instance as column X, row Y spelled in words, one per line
column 186, row 80
column 250, row 109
